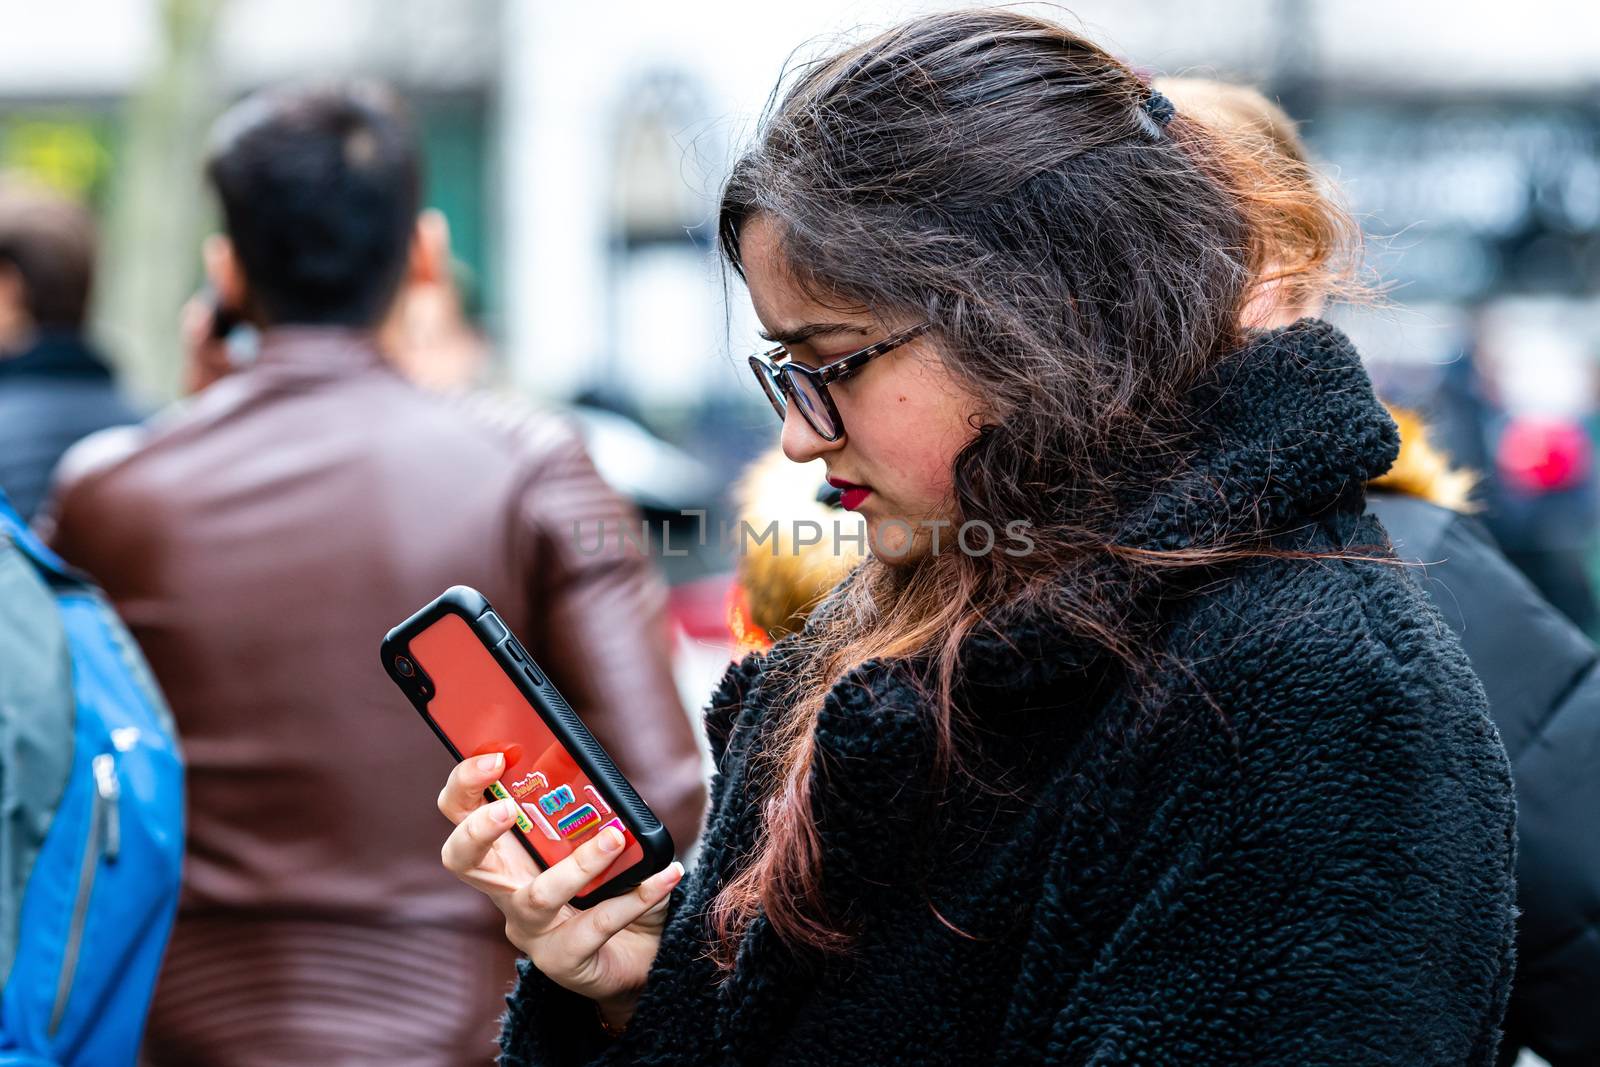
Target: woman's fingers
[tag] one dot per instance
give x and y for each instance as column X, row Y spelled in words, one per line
column 535, row 904
column 469, row 843
column 583, row 935
column 547, row 893
column 463, row 790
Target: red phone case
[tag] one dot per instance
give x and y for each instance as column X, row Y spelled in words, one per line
column 478, row 689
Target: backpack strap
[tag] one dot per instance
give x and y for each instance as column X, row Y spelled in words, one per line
column 54, row 569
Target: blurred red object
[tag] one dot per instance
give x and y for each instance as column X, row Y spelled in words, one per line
column 714, row 610
column 1543, row 455
column 700, row 608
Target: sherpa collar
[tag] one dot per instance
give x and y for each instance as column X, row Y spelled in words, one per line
column 1287, row 430
column 1282, row 432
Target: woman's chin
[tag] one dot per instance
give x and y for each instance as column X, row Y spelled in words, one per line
column 894, row 540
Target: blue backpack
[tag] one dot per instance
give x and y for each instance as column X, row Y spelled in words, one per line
column 91, row 817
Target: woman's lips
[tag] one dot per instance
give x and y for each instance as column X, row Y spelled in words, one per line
column 851, row 499
column 850, row 494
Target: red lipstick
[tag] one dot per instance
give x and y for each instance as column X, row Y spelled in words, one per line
column 851, row 495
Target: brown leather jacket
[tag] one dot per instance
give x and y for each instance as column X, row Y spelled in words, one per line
column 259, row 540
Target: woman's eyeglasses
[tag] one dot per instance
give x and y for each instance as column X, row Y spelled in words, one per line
column 781, row 379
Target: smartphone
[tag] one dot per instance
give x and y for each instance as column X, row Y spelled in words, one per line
column 223, row 320
column 477, row 687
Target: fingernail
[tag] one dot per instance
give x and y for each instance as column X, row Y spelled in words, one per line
column 610, row 839
column 504, row 810
column 490, row 763
column 669, row 875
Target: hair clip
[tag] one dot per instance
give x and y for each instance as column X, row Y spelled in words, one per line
column 1158, row 107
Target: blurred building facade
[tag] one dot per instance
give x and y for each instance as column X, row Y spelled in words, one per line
column 577, row 149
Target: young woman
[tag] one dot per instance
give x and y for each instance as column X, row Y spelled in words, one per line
column 1127, row 744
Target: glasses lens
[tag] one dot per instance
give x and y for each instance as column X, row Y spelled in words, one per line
column 767, row 375
column 808, row 395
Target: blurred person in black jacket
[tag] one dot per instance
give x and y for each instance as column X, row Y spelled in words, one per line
column 1538, row 669
column 54, row 388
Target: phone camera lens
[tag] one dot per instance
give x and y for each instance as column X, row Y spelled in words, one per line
column 404, row 666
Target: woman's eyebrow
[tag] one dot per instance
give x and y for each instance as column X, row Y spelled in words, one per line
column 802, row 334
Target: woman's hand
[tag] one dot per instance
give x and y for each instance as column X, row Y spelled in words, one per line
column 603, row 953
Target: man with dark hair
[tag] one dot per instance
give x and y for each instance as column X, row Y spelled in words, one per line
column 320, row 193
column 54, row 388
column 261, row 539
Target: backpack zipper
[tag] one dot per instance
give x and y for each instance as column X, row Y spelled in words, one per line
column 105, row 841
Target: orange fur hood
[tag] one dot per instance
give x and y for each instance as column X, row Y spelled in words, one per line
column 1423, row 471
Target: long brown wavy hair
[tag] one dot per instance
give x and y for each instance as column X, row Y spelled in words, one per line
column 1083, row 265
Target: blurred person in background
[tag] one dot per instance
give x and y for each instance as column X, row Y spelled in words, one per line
column 54, row 387
column 1541, row 673
column 1517, row 408
column 262, row 537
column 1541, row 490
column 1179, row 779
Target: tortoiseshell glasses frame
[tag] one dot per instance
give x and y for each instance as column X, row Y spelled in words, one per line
column 781, row 378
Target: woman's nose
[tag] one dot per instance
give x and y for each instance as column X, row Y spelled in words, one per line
column 800, row 442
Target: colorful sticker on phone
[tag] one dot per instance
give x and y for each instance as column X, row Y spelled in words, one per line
column 532, row 782
column 599, row 801
column 585, row 818
column 540, row 821
column 524, row 823
column 556, row 799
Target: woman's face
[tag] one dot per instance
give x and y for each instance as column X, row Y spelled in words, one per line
column 1276, row 303
column 905, row 415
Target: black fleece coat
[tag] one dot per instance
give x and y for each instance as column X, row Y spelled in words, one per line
column 1300, row 854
